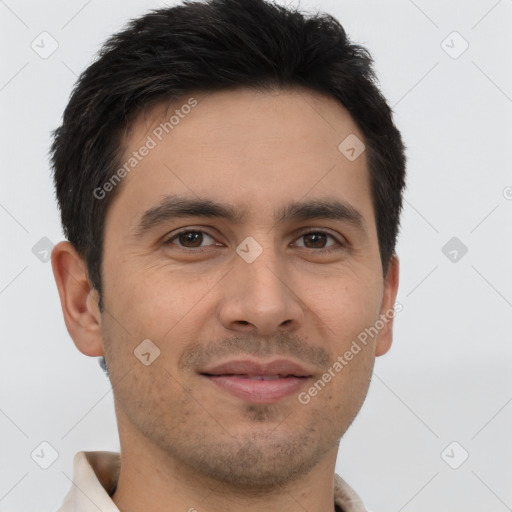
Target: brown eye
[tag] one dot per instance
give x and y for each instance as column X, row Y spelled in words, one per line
column 317, row 240
column 189, row 239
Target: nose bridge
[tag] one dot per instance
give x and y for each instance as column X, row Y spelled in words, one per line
column 261, row 266
column 260, row 294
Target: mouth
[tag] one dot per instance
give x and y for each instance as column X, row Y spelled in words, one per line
column 255, row 377
column 258, row 382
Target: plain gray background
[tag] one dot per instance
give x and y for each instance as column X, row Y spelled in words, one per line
column 448, row 375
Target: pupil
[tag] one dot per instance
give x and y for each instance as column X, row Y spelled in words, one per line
column 193, row 238
column 318, row 237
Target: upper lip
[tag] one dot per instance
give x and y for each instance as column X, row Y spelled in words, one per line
column 281, row 367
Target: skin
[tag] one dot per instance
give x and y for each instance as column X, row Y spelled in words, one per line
column 184, row 441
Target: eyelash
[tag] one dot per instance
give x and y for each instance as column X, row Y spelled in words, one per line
column 327, row 250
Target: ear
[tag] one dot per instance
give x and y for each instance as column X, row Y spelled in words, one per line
column 79, row 300
column 387, row 311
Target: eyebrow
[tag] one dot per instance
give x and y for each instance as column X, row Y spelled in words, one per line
column 173, row 207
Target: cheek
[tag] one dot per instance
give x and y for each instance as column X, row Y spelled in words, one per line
column 336, row 397
column 345, row 305
column 161, row 304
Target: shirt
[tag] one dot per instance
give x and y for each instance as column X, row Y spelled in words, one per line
column 95, row 476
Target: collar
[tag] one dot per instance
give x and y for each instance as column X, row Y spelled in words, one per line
column 95, row 475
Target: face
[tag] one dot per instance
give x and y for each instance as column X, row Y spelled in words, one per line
column 249, row 300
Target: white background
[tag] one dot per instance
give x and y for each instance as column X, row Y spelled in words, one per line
column 448, row 375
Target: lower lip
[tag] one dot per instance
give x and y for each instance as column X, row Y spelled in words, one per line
column 259, row 391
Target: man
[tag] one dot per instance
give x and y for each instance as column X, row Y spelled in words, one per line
column 230, row 182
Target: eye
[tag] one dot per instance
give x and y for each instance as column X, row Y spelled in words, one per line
column 318, row 240
column 195, row 239
column 189, row 239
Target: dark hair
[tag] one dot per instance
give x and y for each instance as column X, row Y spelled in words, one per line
column 211, row 46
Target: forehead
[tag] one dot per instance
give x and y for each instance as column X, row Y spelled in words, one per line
column 244, row 147
column 286, row 117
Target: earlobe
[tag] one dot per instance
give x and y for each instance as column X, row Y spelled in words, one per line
column 387, row 312
column 79, row 300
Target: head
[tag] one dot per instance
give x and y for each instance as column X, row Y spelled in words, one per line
column 205, row 133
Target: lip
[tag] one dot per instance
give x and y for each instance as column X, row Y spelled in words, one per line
column 252, row 368
column 246, row 379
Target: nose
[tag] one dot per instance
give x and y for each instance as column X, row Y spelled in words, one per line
column 260, row 297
